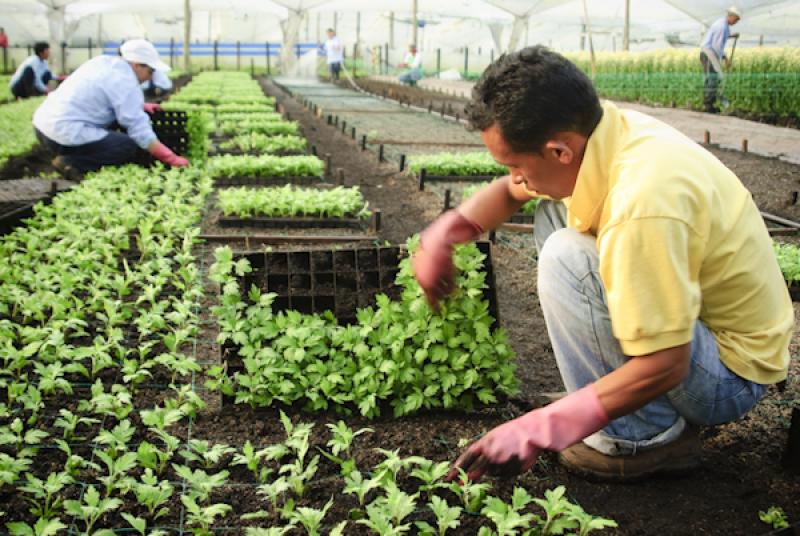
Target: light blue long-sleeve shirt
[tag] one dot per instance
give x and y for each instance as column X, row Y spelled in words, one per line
column 103, row 90
column 716, row 37
column 39, row 66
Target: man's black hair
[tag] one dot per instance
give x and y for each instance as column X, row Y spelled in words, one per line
column 531, row 94
column 40, row 47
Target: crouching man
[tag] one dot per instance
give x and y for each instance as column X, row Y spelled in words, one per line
column 662, row 297
column 74, row 121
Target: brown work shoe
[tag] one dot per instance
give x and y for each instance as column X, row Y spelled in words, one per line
column 66, row 170
column 678, row 457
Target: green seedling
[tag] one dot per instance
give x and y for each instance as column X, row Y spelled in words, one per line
column 91, row 508
column 354, row 483
column 207, row 455
column 775, row 517
column 430, row 473
column 251, row 458
column 557, row 509
column 507, row 519
column 201, row 484
column 70, row 422
column 311, row 518
column 42, row 527
column 24, row 441
column 116, row 439
column 447, row 517
column 11, row 467
column 200, row 518
column 44, row 494
column 153, row 493
column 117, row 469
column 472, row 494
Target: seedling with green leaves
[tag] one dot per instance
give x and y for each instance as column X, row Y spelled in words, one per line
column 206, row 454
column 472, row 494
column 200, row 483
column 42, row 527
column 153, row 494
column 91, row 508
column 44, row 495
column 200, row 518
column 447, row 517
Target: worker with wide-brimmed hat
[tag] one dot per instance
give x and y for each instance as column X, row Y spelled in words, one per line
column 712, row 56
column 75, row 120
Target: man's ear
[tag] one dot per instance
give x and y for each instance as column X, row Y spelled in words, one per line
column 560, row 150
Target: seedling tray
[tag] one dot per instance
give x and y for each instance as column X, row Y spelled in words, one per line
column 12, row 214
column 424, row 177
column 298, row 223
column 265, row 181
column 337, row 280
column 170, row 128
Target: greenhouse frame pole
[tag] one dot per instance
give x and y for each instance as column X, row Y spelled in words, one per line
column 438, row 61
column 269, row 67
column 466, row 61
column 187, row 35
column 216, row 54
column 171, row 52
column 626, row 35
column 391, row 29
column 414, row 22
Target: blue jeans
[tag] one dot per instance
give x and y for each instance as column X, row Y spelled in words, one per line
column 573, row 300
column 116, row 148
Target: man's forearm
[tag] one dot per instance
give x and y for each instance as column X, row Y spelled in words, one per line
column 492, row 206
column 642, row 379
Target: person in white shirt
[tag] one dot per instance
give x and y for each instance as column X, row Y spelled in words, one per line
column 33, row 74
column 413, row 62
column 334, row 52
column 158, row 86
column 712, row 54
column 74, row 121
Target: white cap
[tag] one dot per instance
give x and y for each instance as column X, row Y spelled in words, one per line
column 141, row 51
column 733, row 10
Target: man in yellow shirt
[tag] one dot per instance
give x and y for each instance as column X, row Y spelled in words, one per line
column 662, row 297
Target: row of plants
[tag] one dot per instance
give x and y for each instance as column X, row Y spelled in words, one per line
column 788, row 256
column 456, row 164
column 263, row 143
column 289, row 201
column 224, row 89
column 16, row 136
column 265, row 166
column 98, row 305
column 399, row 353
column 761, row 80
column 528, row 208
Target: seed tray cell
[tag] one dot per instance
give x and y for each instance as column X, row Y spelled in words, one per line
column 340, row 281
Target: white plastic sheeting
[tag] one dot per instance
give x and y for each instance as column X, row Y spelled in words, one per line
column 449, row 25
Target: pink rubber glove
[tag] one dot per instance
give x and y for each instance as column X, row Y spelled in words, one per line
column 163, row 153
column 513, row 447
column 151, row 107
column 433, row 261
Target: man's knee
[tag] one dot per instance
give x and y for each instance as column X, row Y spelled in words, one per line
column 566, row 249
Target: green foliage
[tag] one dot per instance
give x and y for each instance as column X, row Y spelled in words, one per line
column 775, row 517
column 401, row 352
column 457, row 164
column 17, row 136
column 290, row 201
column 762, row 80
column 256, row 125
column 261, row 143
column 788, row 256
column 528, row 208
column 265, row 166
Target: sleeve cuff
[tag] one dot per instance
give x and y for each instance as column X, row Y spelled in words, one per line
column 649, row 345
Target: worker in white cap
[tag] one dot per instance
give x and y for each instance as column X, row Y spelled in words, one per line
column 712, row 54
column 74, row 121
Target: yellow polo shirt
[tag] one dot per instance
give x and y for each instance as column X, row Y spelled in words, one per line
column 679, row 238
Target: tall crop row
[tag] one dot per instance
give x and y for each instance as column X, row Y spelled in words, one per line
column 762, row 80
